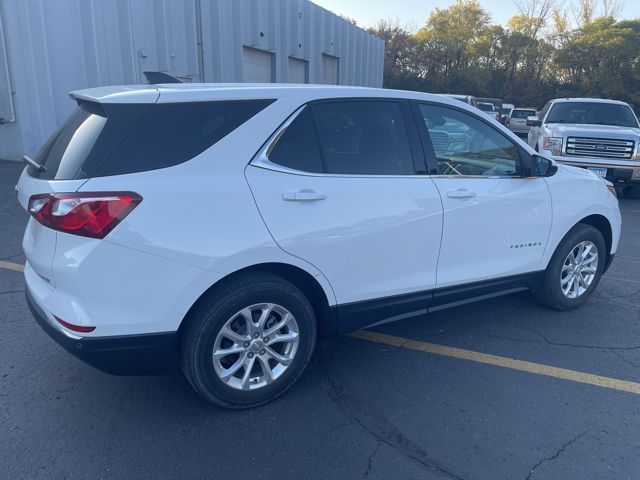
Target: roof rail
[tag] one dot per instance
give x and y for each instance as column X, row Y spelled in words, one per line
column 160, row 77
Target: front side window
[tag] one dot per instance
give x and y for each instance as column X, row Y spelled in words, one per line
column 363, row 138
column 465, row 145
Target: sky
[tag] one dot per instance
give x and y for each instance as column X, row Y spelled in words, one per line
column 413, row 13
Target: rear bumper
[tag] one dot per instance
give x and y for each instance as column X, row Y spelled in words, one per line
column 144, row 354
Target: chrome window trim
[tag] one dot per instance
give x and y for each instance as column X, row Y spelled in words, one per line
column 488, row 177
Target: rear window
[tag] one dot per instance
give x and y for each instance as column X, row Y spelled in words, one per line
column 486, row 107
column 523, row 113
column 114, row 139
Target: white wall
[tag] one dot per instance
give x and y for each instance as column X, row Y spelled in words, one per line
column 55, row 46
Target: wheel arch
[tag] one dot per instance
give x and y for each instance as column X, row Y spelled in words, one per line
column 326, row 316
column 602, row 224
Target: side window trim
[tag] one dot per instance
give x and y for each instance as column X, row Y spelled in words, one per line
column 425, row 139
column 420, row 166
column 428, row 145
column 261, row 158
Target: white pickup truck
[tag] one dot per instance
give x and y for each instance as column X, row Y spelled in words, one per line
column 600, row 135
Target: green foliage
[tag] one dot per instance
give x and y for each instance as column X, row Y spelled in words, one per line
column 460, row 51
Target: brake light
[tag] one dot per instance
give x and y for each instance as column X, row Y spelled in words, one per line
column 86, row 214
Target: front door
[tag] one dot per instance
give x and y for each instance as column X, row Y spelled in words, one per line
column 496, row 222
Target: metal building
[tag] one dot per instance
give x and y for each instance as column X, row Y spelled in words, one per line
column 50, row 47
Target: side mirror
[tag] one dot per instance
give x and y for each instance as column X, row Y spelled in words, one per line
column 533, row 122
column 541, row 167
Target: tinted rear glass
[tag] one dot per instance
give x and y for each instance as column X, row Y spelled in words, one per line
column 64, row 152
column 363, row 137
column 485, row 107
column 298, row 146
column 116, row 139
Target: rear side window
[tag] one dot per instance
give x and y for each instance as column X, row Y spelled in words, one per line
column 114, row 139
column 363, row 138
column 298, row 147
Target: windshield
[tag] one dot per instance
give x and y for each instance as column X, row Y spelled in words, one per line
column 523, row 113
column 485, row 107
column 592, row 113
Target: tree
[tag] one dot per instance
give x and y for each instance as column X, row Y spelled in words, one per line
column 533, row 16
column 450, row 39
column 584, row 11
column 603, row 59
column 537, row 56
column 400, row 69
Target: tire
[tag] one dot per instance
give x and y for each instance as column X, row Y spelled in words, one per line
column 550, row 291
column 632, row 192
column 271, row 297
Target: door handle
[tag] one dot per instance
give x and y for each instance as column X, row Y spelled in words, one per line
column 303, row 196
column 462, row 193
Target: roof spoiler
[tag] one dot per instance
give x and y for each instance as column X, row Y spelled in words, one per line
column 161, row 77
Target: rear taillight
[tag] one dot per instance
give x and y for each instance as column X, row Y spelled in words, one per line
column 87, row 214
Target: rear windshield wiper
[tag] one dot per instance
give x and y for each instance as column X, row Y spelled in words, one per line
column 30, row 161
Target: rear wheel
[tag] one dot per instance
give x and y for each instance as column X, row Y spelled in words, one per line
column 248, row 342
column 574, row 269
column 632, row 192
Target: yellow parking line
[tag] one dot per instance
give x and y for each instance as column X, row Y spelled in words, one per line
column 12, row 266
column 505, row 362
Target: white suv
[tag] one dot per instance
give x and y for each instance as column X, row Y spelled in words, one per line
column 222, row 227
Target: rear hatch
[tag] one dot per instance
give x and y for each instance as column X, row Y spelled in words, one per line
column 75, row 151
column 104, row 138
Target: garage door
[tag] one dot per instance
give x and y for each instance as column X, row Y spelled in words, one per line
column 297, row 70
column 257, row 66
column 329, row 70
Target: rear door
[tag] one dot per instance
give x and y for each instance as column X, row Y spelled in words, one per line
column 347, row 199
column 496, row 222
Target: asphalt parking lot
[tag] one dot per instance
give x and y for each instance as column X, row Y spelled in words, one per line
column 502, row 389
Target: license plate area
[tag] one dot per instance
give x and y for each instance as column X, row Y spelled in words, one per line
column 601, row 172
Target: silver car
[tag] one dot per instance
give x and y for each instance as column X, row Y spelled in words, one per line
column 517, row 120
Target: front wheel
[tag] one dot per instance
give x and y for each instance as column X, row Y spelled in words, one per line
column 574, row 269
column 249, row 341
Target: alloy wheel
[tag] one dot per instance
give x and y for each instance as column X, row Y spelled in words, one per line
column 579, row 269
column 255, row 346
